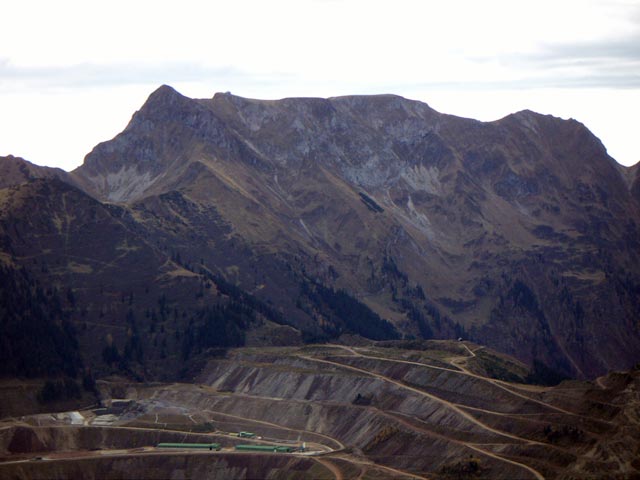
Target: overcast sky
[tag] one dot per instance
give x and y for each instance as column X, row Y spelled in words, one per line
column 73, row 72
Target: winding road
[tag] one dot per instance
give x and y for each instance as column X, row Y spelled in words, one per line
column 457, row 409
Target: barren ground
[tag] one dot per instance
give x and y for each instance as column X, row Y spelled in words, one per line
column 361, row 412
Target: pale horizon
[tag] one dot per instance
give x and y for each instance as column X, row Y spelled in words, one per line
column 72, row 73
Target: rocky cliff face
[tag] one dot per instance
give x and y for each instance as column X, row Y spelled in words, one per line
column 520, row 233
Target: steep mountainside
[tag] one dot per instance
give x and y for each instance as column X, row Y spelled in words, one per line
column 92, row 280
column 634, row 180
column 521, row 233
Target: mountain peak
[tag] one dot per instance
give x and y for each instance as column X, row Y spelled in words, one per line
column 165, row 92
column 164, row 98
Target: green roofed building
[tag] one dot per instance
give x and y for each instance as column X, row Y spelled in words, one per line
column 204, row 446
column 265, row 448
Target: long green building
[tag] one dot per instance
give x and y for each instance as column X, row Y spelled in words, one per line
column 265, row 448
column 204, row 446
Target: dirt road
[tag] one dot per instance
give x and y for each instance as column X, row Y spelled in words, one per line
column 453, row 407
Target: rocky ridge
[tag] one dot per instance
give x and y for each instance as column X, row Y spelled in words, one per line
column 521, row 233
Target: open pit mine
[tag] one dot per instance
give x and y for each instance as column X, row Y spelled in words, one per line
column 385, row 410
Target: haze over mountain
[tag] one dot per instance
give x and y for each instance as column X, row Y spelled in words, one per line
column 305, row 218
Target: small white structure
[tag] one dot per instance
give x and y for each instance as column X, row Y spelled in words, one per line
column 76, row 418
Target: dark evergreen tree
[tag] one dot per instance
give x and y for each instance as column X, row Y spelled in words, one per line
column 36, row 338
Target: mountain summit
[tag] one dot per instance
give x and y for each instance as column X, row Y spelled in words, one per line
column 379, row 216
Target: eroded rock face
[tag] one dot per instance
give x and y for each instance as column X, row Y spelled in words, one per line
column 520, row 233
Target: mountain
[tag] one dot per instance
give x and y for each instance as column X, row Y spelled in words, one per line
column 373, row 215
column 16, row 170
column 634, row 180
column 90, row 268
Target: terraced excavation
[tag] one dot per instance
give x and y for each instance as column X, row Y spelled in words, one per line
column 385, row 410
